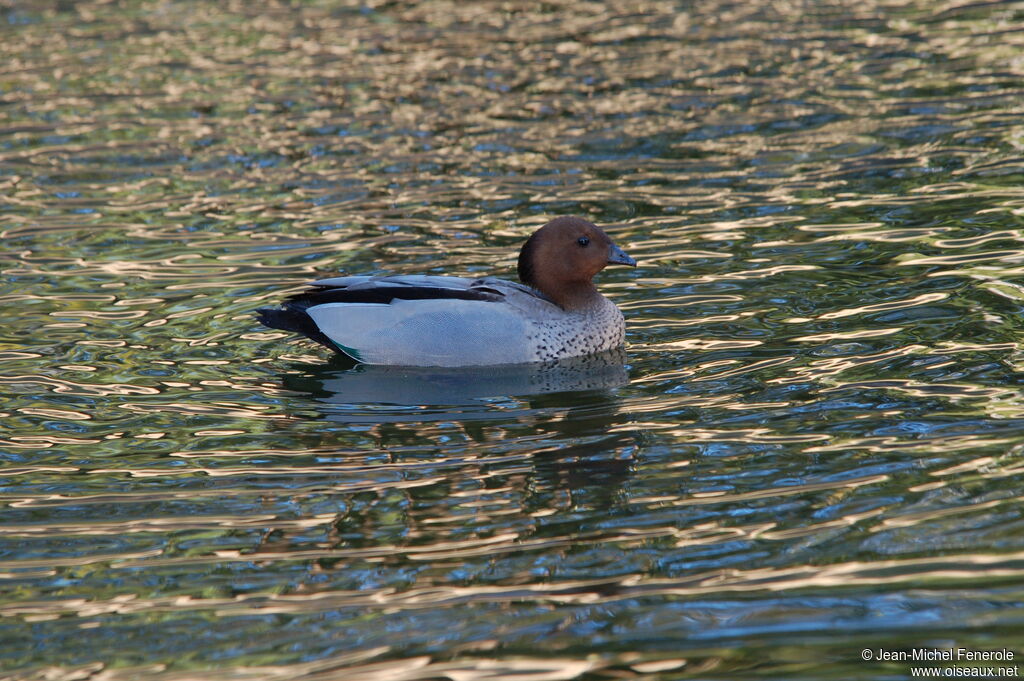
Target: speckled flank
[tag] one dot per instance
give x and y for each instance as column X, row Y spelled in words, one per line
column 578, row 333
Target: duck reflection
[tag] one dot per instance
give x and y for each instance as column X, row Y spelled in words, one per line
column 453, row 460
column 364, row 384
column 565, row 416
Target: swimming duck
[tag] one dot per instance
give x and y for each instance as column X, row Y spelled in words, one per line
column 427, row 320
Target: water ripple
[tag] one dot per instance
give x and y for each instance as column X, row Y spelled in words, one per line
column 811, row 446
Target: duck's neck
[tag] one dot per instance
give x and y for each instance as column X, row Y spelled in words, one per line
column 575, row 296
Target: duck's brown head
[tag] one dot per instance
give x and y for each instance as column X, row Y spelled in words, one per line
column 562, row 257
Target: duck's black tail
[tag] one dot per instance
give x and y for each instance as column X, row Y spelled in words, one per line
column 293, row 318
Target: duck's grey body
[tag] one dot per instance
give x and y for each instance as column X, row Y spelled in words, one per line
column 452, row 321
column 422, row 320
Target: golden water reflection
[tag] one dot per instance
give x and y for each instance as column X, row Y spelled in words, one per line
column 812, row 444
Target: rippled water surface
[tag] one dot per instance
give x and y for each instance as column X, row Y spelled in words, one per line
column 816, row 442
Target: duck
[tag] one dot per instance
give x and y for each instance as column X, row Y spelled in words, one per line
column 553, row 313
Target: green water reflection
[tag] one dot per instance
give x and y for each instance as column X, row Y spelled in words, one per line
column 814, row 443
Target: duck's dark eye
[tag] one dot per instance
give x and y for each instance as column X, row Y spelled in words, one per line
column 583, row 240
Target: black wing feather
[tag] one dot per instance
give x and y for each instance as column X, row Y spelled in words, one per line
column 320, row 295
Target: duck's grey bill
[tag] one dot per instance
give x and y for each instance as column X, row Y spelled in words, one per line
column 617, row 255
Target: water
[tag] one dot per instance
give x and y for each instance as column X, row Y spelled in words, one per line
column 814, row 447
